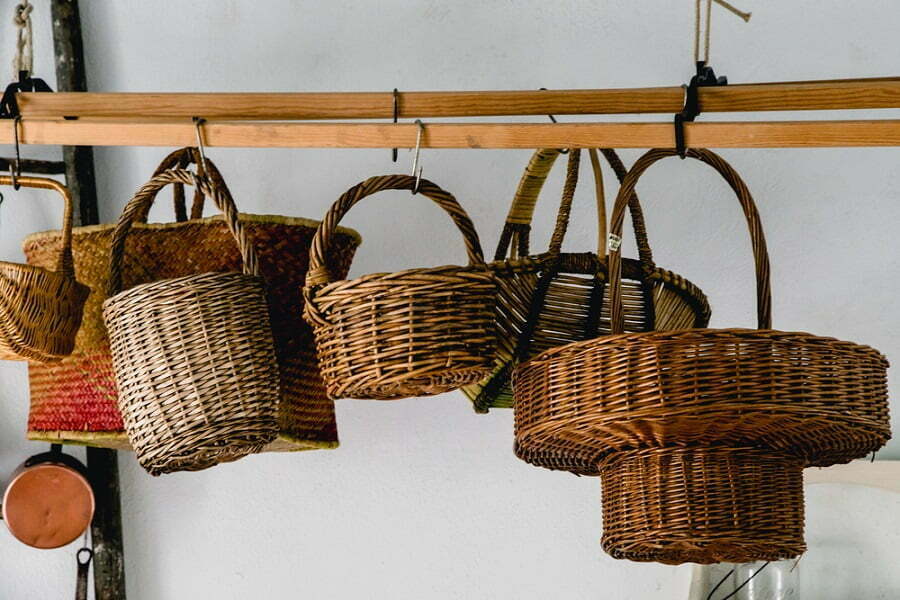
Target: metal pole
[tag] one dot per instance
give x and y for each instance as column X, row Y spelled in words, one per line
column 102, row 464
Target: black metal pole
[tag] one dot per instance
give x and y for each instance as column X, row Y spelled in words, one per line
column 102, row 464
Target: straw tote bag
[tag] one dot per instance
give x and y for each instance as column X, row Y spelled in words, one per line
column 817, row 398
column 75, row 400
column 416, row 332
column 551, row 299
column 40, row 309
column 194, row 356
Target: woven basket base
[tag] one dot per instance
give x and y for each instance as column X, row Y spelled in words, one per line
column 117, row 440
column 412, row 387
column 702, row 505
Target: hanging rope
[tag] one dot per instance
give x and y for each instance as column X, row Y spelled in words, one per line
column 24, row 58
column 698, row 22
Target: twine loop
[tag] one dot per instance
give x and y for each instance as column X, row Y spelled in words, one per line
column 23, row 61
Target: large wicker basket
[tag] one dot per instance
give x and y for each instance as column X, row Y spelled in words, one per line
column 194, row 356
column 702, row 505
column 40, row 309
column 395, row 335
column 75, row 400
column 821, row 399
column 552, row 299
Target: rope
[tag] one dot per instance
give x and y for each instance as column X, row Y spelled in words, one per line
column 706, row 35
column 24, row 58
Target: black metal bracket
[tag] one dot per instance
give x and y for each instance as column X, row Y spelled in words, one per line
column 9, row 107
column 705, row 77
column 56, row 455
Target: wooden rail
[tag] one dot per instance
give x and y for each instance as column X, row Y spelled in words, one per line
column 813, row 95
column 779, row 134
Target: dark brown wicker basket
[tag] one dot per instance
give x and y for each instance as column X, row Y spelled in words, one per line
column 396, row 335
column 821, row 399
column 702, row 505
column 551, row 299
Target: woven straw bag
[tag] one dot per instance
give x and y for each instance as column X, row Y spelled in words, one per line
column 75, row 400
column 552, row 299
column 395, row 335
column 194, row 356
column 820, row 399
column 40, row 309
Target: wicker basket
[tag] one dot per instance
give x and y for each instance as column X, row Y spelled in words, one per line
column 702, row 505
column 40, row 309
column 75, row 400
column 555, row 298
column 194, row 357
column 395, row 335
column 820, row 399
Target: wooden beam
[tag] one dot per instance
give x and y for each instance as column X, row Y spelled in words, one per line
column 815, row 95
column 761, row 134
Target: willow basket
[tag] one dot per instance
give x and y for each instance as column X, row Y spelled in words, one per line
column 818, row 398
column 40, row 309
column 75, row 400
column 194, row 357
column 702, row 505
column 551, row 299
column 395, row 335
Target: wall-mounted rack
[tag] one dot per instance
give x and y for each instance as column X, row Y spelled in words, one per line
column 277, row 119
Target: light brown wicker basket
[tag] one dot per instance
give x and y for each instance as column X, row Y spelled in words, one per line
column 702, row 505
column 395, row 335
column 194, row 356
column 40, row 309
column 821, row 399
column 552, row 299
column 75, row 400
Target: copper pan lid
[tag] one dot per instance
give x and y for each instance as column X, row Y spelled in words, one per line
column 48, row 505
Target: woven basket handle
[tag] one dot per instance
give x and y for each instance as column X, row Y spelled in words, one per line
column 318, row 270
column 514, row 241
column 758, row 240
column 143, row 199
column 64, row 264
column 182, row 159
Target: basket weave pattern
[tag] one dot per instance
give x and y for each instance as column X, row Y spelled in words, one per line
column 193, row 356
column 41, row 310
column 394, row 335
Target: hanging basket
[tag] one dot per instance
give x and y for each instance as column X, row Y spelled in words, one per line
column 75, row 400
column 40, row 309
column 395, row 335
column 194, row 356
column 820, row 399
column 551, row 299
column 702, row 505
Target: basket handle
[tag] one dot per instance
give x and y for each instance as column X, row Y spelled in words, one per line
column 64, row 264
column 182, row 159
column 318, row 271
column 514, row 240
column 143, row 199
column 757, row 238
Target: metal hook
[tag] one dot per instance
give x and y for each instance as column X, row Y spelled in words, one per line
column 198, row 121
column 16, row 171
column 416, row 169
column 554, row 121
column 396, row 115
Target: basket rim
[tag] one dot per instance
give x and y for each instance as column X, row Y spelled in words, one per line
column 244, row 217
column 393, row 276
column 164, row 283
column 43, row 271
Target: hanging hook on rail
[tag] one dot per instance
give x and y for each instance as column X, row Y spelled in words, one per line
column 198, row 121
column 15, row 168
column 416, row 168
column 554, row 121
column 396, row 116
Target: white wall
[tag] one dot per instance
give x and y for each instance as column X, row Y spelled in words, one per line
column 424, row 499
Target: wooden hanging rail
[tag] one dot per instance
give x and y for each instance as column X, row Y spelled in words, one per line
column 787, row 96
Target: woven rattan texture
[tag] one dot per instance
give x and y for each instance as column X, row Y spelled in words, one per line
column 75, row 399
column 555, row 298
column 412, row 333
column 702, row 505
column 41, row 310
column 820, row 399
column 194, row 357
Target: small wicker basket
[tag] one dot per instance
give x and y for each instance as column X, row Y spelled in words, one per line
column 194, row 356
column 395, row 335
column 821, row 399
column 40, row 309
column 552, row 299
